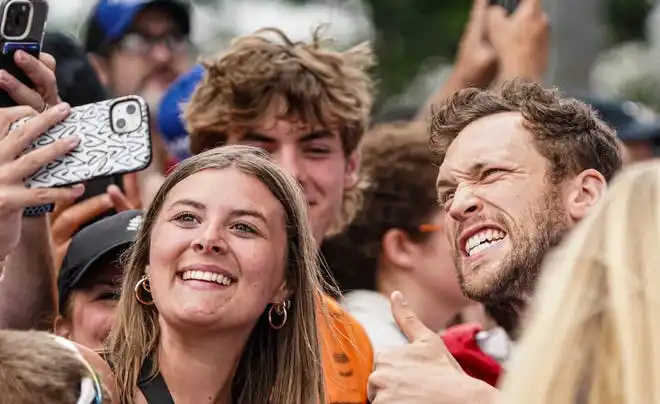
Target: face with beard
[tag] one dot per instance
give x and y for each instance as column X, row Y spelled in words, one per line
column 541, row 228
column 503, row 214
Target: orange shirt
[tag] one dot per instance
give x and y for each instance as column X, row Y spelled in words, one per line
column 346, row 353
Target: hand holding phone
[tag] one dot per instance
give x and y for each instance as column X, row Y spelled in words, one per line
column 14, row 167
column 22, row 28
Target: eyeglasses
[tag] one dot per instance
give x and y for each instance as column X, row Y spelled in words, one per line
column 141, row 43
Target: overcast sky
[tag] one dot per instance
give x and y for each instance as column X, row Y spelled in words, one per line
column 349, row 19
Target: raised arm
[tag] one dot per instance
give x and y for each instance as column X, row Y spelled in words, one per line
column 27, row 289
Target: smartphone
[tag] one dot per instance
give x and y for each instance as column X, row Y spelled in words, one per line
column 509, row 5
column 115, row 140
column 22, row 27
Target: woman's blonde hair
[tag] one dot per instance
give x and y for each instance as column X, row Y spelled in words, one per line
column 595, row 321
column 276, row 366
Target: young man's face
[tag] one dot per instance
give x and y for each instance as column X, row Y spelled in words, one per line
column 315, row 157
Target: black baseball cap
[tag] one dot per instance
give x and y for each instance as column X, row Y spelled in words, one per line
column 93, row 243
column 111, row 19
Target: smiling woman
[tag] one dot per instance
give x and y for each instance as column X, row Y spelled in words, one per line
column 218, row 303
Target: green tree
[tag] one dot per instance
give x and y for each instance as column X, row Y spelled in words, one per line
column 626, row 19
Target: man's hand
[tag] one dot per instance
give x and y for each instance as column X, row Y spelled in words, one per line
column 68, row 217
column 422, row 372
column 476, row 62
column 14, row 196
column 521, row 40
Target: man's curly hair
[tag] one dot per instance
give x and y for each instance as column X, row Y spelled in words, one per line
column 398, row 192
column 567, row 132
column 258, row 77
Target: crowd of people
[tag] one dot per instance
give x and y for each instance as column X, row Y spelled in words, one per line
column 288, row 246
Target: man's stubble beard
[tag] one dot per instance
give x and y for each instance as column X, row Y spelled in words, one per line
column 505, row 297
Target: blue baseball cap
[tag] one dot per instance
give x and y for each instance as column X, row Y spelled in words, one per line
column 170, row 120
column 111, row 19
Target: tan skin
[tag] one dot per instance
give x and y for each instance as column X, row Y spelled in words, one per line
column 25, row 248
column 315, row 157
column 88, row 317
column 494, row 183
column 424, row 272
column 245, row 238
column 204, row 326
column 496, row 45
column 423, row 372
column 343, row 169
column 150, row 73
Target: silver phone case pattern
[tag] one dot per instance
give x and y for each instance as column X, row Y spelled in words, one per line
column 102, row 152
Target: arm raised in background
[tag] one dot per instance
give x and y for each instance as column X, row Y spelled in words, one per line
column 27, row 288
column 27, row 285
column 476, row 62
column 521, row 40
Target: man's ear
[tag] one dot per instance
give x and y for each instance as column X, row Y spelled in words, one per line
column 100, row 65
column 62, row 327
column 352, row 172
column 586, row 190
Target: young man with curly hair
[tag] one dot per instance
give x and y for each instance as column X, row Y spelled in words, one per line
column 308, row 106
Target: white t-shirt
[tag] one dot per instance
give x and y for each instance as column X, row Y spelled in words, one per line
column 373, row 311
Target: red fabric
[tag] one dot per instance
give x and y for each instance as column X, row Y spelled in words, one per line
column 462, row 344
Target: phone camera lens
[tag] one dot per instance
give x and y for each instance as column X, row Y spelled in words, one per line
column 121, row 123
column 130, row 110
column 17, row 20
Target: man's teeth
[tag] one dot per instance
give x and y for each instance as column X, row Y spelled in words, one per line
column 483, row 240
column 206, row 276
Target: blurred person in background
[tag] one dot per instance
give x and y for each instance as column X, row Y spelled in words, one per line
column 594, row 324
column 637, row 126
column 139, row 47
column 170, row 123
column 509, row 199
column 77, row 81
column 89, row 279
column 40, row 368
column 396, row 240
column 308, row 106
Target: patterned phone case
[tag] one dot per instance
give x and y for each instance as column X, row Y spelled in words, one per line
column 102, row 151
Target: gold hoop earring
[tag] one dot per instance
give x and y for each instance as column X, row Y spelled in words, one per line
column 143, row 284
column 281, row 310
